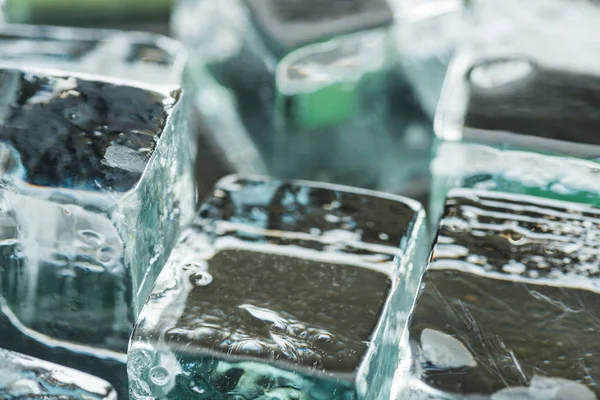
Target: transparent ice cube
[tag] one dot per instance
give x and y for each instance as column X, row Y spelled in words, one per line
column 134, row 56
column 427, row 32
column 301, row 81
column 525, row 70
column 95, row 185
column 24, row 377
column 506, row 308
column 341, row 104
column 282, row 289
column 519, row 107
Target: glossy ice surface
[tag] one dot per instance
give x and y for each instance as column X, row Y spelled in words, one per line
column 95, row 182
column 24, row 377
column 427, row 33
column 516, row 80
column 283, row 84
column 282, row 289
column 507, row 305
column 520, row 105
column 133, row 56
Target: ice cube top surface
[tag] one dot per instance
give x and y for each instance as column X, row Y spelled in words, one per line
column 321, row 211
column 507, row 304
column 24, row 377
column 260, row 305
column 297, row 273
column 507, row 85
column 292, row 23
column 521, row 96
column 135, row 56
column 69, row 132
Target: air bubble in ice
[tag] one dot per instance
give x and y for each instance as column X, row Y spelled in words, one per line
column 201, row 278
column 159, row 376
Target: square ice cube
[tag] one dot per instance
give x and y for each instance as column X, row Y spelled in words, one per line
column 282, row 289
column 339, row 96
column 133, row 56
column 282, row 84
column 517, row 78
column 517, row 84
column 290, row 24
column 427, row 32
column 507, row 304
column 96, row 182
column 24, row 377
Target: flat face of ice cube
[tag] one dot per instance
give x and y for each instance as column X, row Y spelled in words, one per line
column 95, row 135
column 292, row 23
column 508, row 85
column 507, row 302
column 348, row 216
column 286, row 309
column 281, row 288
column 130, row 55
column 24, row 377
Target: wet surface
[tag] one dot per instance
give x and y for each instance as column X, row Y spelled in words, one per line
column 283, row 308
column 291, row 23
column 24, row 377
column 521, row 96
column 509, row 296
column 96, row 135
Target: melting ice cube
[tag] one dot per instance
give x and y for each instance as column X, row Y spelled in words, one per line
column 482, row 327
column 282, row 289
column 95, row 184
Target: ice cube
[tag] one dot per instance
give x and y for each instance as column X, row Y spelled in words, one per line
column 506, row 308
column 517, row 84
column 95, row 185
column 282, row 289
column 515, row 74
column 24, row 377
column 301, row 80
column 427, row 32
column 133, row 56
column 344, row 96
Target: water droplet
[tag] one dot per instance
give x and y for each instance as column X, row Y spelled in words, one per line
column 159, row 376
column 324, row 340
column 514, row 267
column 249, row 347
column 192, row 266
column 201, row 278
column 107, row 254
